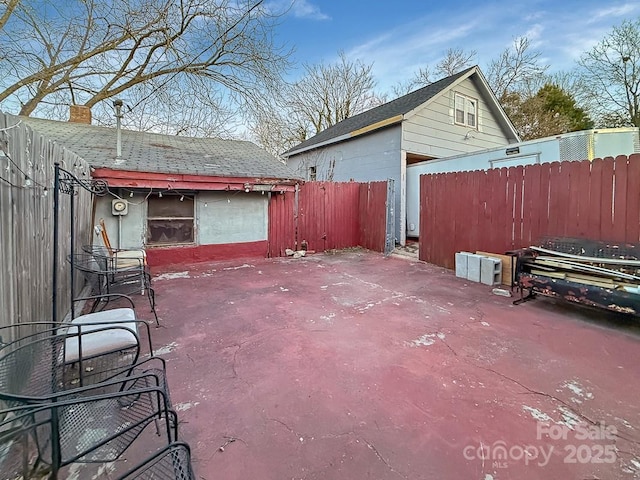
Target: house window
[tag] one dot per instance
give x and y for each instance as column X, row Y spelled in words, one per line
column 170, row 219
column 466, row 111
column 312, row 174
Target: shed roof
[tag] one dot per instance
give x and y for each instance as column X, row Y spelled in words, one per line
column 394, row 111
column 152, row 152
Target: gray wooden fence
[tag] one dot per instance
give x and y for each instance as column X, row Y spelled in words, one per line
column 26, row 222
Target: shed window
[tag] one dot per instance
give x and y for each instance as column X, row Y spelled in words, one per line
column 312, row 174
column 466, row 111
column 170, row 219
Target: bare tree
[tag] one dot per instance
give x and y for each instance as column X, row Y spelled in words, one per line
column 325, row 95
column 88, row 51
column 610, row 75
column 517, row 69
column 455, row 60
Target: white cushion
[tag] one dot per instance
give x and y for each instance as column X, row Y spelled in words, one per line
column 128, row 262
column 118, row 336
column 139, row 254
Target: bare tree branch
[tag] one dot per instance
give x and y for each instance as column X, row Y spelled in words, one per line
column 10, row 6
column 88, row 51
column 324, row 96
column 517, row 69
column 610, row 76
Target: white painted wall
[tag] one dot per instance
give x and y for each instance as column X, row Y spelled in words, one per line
column 231, row 217
column 132, row 227
column 220, row 217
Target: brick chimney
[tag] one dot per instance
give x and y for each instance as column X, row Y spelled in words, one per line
column 80, row 114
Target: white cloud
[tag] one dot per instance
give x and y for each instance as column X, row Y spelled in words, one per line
column 534, row 16
column 534, row 33
column 558, row 33
column 297, row 8
column 621, row 10
column 305, row 9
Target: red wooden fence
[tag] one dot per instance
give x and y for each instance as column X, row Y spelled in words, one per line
column 502, row 209
column 373, row 215
column 282, row 229
column 328, row 215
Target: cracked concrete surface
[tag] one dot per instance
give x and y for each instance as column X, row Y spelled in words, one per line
column 311, row 365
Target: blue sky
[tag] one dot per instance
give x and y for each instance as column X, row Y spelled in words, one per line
column 399, row 37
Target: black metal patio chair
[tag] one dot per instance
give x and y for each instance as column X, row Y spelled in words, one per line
column 171, row 462
column 104, row 281
column 37, row 358
column 93, row 424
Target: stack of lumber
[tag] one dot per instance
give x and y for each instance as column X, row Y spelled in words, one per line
column 609, row 273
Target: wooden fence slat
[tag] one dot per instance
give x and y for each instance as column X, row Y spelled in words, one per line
column 595, row 199
column 632, row 234
column 618, row 232
column 543, row 198
column 504, row 209
column 606, row 205
column 584, row 192
column 26, row 224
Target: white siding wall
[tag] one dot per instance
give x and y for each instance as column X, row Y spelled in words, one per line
column 431, row 131
column 371, row 157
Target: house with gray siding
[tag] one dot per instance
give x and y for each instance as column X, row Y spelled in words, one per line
column 180, row 198
column 455, row 115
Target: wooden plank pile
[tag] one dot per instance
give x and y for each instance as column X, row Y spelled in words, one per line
column 610, row 273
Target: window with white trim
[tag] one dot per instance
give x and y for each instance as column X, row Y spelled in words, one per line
column 466, row 111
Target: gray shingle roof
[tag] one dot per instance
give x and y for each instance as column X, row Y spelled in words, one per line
column 152, row 152
column 399, row 106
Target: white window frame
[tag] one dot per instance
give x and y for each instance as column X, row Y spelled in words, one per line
column 466, row 109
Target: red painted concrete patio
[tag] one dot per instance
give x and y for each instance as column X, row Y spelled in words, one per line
column 353, row 366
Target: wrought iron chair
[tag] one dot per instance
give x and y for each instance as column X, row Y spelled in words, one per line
column 105, row 282
column 171, row 462
column 38, row 360
column 90, row 424
column 116, row 259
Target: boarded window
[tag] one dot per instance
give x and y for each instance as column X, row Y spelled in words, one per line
column 466, row 111
column 170, row 220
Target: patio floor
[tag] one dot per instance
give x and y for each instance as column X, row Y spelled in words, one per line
column 353, row 366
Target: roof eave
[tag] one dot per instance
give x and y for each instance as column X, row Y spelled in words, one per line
column 413, row 112
column 176, row 181
column 347, row 136
column 506, row 121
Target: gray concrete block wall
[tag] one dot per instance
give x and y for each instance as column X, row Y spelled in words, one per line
column 474, row 267
column 490, row 271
